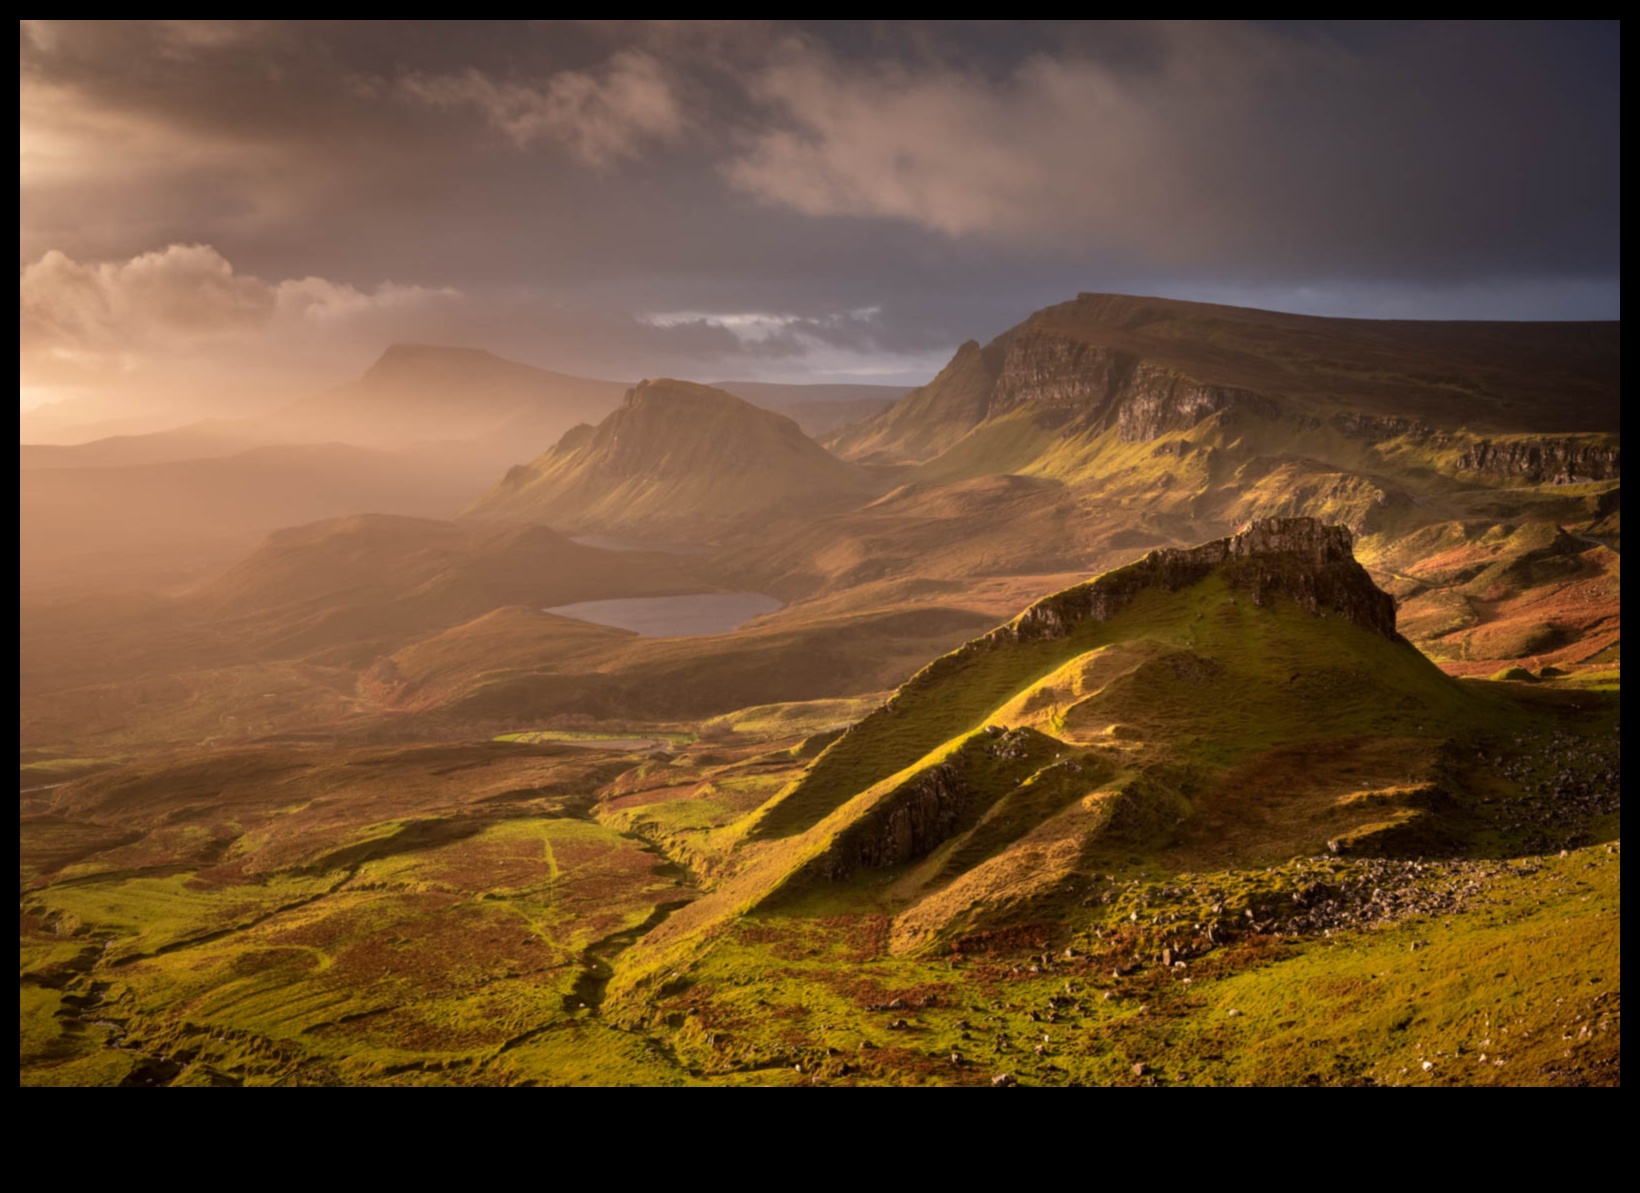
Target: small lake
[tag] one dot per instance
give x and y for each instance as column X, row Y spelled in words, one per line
column 610, row 542
column 674, row 616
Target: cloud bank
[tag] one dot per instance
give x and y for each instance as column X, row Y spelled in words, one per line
column 562, row 191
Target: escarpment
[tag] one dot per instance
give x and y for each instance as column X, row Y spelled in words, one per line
column 1045, row 371
column 1568, row 459
column 1556, row 461
column 1101, row 386
column 1148, row 367
column 1158, row 402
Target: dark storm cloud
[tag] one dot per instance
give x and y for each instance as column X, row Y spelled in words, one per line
column 630, row 198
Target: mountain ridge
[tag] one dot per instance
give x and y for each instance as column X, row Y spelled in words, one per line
column 1154, row 365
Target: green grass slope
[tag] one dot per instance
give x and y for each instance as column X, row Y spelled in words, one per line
column 957, row 693
column 1246, row 701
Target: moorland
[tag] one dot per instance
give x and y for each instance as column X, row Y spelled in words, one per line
column 1163, row 694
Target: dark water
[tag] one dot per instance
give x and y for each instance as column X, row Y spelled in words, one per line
column 674, row 616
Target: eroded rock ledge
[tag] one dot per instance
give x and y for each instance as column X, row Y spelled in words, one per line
column 1298, row 558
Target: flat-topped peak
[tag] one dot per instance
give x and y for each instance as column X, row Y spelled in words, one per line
column 1312, row 537
column 1302, row 559
column 670, row 389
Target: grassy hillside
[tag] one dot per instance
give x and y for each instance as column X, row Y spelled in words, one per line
column 1207, row 820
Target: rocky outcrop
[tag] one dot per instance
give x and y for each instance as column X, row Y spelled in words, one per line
column 1539, row 461
column 1103, row 386
column 1380, row 428
column 916, row 817
column 910, row 824
column 1052, row 372
column 1156, row 402
column 1297, row 558
column 1300, row 560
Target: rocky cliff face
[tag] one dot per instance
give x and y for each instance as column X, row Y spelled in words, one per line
column 1381, row 427
column 920, row 814
column 1297, row 558
column 1148, row 367
column 1049, row 372
column 1156, row 402
column 1279, row 559
column 1562, row 460
column 1554, row 461
column 910, row 825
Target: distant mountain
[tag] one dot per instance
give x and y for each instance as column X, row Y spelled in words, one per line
column 79, row 420
column 1149, row 366
column 419, row 392
column 145, row 524
column 204, row 440
column 440, row 424
column 413, row 394
column 676, row 458
column 1455, row 452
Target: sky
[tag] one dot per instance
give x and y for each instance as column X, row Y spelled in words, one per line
column 216, row 215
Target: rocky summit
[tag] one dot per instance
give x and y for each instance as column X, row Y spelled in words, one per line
column 1297, row 558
